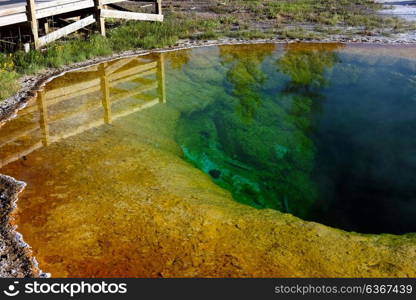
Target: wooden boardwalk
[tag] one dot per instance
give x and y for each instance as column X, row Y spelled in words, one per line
column 21, row 11
column 14, row 11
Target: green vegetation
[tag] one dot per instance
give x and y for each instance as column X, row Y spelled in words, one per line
column 8, row 76
column 8, row 84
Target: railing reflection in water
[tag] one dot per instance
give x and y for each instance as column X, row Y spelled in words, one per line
column 82, row 100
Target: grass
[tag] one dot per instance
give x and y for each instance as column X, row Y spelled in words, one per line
column 8, row 84
column 335, row 13
column 234, row 18
column 8, row 76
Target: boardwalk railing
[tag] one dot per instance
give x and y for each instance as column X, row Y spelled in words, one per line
column 94, row 97
column 32, row 11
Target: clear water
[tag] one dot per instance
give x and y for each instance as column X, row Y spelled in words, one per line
column 316, row 131
column 325, row 132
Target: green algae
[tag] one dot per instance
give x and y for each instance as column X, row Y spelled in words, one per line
column 254, row 142
column 263, row 122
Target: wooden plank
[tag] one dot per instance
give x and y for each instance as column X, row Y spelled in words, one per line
column 81, row 109
column 43, row 120
column 87, row 70
column 64, row 8
column 17, row 156
column 11, row 137
column 100, row 122
column 57, row 100
column 12, row 11
column 158, row 4
column 107, row 13
column 28, row 109
column 48, row 4
column 86, row 87
column 46, row 27
column 62, row 21
column 143, row 81
column 104, row 2
column 133, row 77
column 13, row 19
column 78, row 130
column 109, row 2
column 21, row 7
column 134, row 92
column 105, row 92
column 99, row 17
column 33, row 21
column 17, row 13
column 132, row 71
column 118, row 65
column 140, row 107
column 66, row 30
column 73, row 88
column 117, row 7
column 161, row 77
column 12, row 6
column 44, row 10
column 107, row 100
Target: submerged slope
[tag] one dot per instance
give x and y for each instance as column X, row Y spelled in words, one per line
column 119, row 200
column 151, row 214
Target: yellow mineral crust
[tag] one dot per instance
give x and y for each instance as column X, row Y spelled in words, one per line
column 139, row 210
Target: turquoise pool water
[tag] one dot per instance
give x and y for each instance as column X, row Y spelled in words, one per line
column 325, row 132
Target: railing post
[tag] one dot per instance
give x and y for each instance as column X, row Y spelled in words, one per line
column 31, row 17
column 161, row 78
column 158, row 6
column 46, row 27
column 105, row 90
column 43, row 117
column 100, row 20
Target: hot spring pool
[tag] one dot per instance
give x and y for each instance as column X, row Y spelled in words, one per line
column 324, row 132
column 315, row 131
